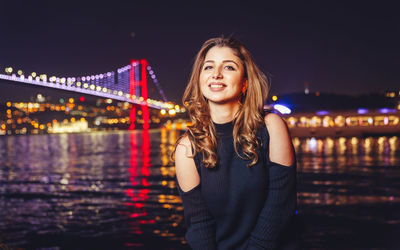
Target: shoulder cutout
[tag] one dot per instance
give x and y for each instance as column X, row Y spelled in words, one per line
column 185, row 168
column 280, row 146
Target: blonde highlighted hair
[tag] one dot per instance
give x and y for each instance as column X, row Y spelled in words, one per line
column 202, row 134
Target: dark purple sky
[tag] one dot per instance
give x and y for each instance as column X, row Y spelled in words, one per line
column 349, row 47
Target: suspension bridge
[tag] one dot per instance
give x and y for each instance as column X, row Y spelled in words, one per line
column 127, row 84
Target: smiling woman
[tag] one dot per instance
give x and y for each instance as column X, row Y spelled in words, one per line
column 222, row 77
column 235, row 166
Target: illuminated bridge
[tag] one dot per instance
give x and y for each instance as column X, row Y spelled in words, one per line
column 127, row 84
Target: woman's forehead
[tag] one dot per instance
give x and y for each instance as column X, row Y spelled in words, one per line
column 221, row 53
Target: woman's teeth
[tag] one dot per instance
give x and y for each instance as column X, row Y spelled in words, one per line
column 216, row 85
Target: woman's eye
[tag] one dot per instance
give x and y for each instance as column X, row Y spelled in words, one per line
column 228, row 67
column 207, row 67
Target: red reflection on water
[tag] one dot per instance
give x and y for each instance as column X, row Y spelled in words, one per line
column 139, row 171
column 133, row 160
column 145, row 171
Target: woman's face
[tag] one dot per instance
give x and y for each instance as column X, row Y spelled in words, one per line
column 222, row 76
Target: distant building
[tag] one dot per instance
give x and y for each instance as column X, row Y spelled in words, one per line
column 395, row 95
column 360, row 122
column 301, row 102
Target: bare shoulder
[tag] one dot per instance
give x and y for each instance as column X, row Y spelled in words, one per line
column 185, row 168
column 280, row 146
column 184, row 145
column 274, row 121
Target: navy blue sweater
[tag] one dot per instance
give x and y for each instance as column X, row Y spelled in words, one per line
column 235, row 206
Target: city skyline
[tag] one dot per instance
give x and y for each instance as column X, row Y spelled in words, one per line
column 336, row 48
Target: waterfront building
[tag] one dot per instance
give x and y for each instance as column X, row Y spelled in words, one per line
column 361, row 122
column 336, row 123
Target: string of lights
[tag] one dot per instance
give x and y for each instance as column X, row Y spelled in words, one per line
column 123, row 77
column 102, row 85
column 154, row 79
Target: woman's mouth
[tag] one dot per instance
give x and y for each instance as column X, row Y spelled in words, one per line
column 216, row 86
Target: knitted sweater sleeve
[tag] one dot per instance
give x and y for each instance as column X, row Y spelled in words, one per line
column 200, row 223
column 278, row 209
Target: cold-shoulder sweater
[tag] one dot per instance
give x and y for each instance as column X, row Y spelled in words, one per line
column 235, row 206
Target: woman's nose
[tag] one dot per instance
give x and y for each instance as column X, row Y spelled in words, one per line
column 217, row 74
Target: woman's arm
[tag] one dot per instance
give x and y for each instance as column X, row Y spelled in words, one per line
column 199, row 221
column 281, row 201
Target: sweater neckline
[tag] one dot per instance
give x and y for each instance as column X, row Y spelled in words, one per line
column 224, row 129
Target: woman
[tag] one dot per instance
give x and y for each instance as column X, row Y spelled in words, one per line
column 235, row 166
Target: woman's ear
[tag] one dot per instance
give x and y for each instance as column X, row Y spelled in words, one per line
column 244, row 87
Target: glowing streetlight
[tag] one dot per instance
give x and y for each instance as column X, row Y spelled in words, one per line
column 9, row 70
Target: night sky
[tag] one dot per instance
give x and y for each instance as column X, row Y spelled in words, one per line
column 351, row 47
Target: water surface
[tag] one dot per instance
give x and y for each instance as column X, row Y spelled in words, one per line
column 117, row 190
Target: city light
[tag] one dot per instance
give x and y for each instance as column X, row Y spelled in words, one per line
column 43, row 77
column 362, row 111
column 282, row 109
column 322, row 112
column 9, row 70
column 386, row 110
column 103, row 85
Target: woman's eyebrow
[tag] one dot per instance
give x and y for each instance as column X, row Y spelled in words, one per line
column 232, row 61
column 224, row 61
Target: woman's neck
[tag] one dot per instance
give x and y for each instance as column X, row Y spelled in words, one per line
column 223, row 113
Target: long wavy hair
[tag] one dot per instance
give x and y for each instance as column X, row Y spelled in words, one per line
column 202, row 134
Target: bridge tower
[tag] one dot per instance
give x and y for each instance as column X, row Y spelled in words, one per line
column 138, row 87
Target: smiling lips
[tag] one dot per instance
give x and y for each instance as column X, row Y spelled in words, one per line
column 217, row 86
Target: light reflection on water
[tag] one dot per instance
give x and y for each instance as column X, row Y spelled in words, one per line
column 349, row 191
column 117, row 187
column 114, row 190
